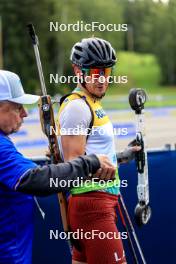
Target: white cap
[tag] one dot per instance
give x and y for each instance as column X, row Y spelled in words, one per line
column 11, row 89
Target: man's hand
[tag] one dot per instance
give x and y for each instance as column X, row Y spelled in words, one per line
column 129, row 153
column 107, row 170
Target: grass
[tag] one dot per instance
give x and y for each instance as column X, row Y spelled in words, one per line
column 142, row 71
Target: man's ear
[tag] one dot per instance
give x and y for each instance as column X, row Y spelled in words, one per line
column 76, row 69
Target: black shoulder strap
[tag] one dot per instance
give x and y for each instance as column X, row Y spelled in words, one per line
column 63, row 98
column 84, row 98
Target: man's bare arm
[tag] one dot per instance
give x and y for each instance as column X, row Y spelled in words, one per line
column 74, row 146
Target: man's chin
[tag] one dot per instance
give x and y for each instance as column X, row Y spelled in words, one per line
column 99, row 96
column 15, row 130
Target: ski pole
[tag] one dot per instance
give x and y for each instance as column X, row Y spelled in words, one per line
column 132, row 229
column 130, row 242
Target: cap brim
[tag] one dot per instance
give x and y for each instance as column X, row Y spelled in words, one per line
column 25, row 99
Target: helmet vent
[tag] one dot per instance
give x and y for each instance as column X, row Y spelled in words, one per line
column 108, row 49
column 93, row 50
column 77, row 56
column 102, row 50
column 78, row 48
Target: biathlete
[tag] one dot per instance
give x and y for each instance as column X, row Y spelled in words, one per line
column 92, row 206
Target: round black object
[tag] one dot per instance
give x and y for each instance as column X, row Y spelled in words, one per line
column 137, row 99
column 93, row 52
column 142, row 214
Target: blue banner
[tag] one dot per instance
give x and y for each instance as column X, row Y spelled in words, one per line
column 157, row 238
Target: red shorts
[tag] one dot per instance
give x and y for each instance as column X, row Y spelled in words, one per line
column 93, row 215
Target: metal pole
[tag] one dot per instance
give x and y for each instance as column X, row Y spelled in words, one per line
column 1, row 53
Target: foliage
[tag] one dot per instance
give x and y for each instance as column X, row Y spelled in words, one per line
column 151, row 30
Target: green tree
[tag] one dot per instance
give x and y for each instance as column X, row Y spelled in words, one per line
column 17, row 47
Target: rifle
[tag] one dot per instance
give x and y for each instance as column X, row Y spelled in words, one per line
column 48, row 122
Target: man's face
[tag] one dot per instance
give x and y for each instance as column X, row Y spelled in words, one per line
column 96, row 82
column 11, row 117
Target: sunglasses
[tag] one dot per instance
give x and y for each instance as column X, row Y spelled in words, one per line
column 98, row 71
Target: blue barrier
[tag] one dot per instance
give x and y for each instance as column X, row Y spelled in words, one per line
column 157, row 238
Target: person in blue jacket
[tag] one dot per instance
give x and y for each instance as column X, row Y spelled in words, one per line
column 21, row 179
